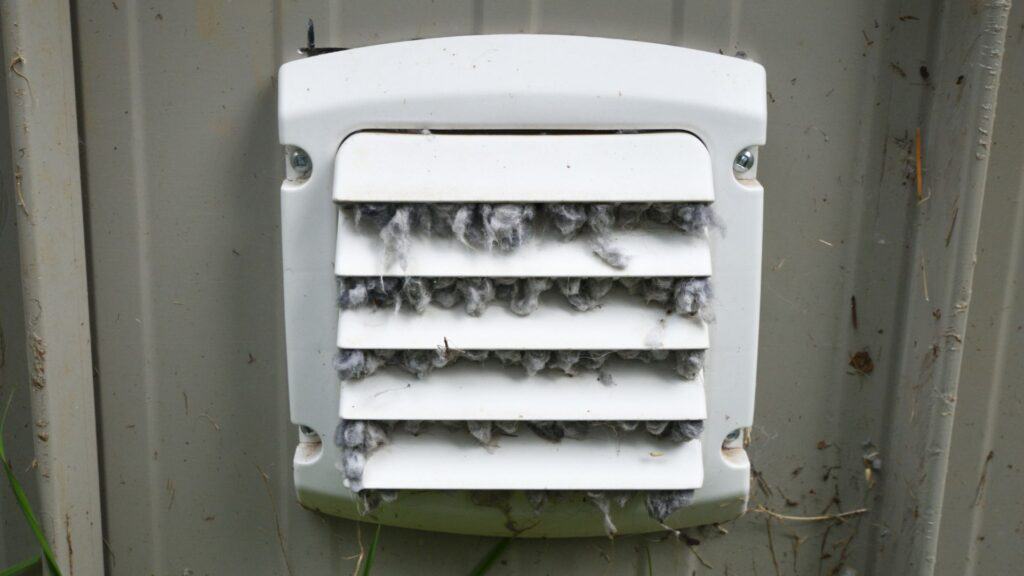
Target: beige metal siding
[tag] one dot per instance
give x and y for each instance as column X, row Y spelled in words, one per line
column 983, row 515
column 177, row 104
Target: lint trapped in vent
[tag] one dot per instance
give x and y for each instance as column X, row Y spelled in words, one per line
column 504, row 228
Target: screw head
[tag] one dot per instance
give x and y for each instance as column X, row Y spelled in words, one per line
column 744, row 161
column 300, row 161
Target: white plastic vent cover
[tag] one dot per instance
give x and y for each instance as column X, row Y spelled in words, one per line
column 528, row 120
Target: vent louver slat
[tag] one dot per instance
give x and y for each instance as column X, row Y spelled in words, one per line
column 651, row 167
column 452, row 461
column 621, row 324
column 639, row 392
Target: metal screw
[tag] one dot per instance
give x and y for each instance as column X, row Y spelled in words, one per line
column 301, row 163
column 744, row 161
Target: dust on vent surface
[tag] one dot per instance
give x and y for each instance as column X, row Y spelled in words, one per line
column 572, row 266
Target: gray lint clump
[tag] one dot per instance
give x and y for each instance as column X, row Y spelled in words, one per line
column 684, row 296
column 663, row 503
column 601, row 220
column 660, row 504
column 506, row 227
column 353, row 364
column 370, row 500
column 603, row 501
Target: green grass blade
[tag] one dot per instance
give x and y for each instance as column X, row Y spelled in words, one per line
column 19, row 495
column 650, row 563
column 491, row 557
column 20, row 567
column 371, row 553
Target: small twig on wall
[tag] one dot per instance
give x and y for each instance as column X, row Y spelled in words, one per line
column 277, row 519
column 771, row 547
column 819, row 518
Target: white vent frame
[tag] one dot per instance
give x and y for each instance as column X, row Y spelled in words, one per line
column 535, row 83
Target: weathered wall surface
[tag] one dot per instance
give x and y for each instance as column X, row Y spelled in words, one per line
column 182, row 170
column 15, row 536
column 982, row 523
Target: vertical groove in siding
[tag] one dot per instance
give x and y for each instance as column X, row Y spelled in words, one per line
column 678, row 22
column 134, row 44
column 535, row 21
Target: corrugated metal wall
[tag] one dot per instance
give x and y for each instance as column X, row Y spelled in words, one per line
column 177, row 109
column 15, row 536
column 982, row 521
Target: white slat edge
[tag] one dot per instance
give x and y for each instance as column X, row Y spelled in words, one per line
column 400, row 167
column 490, row 392
column 620, row 324
column 444, row 461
